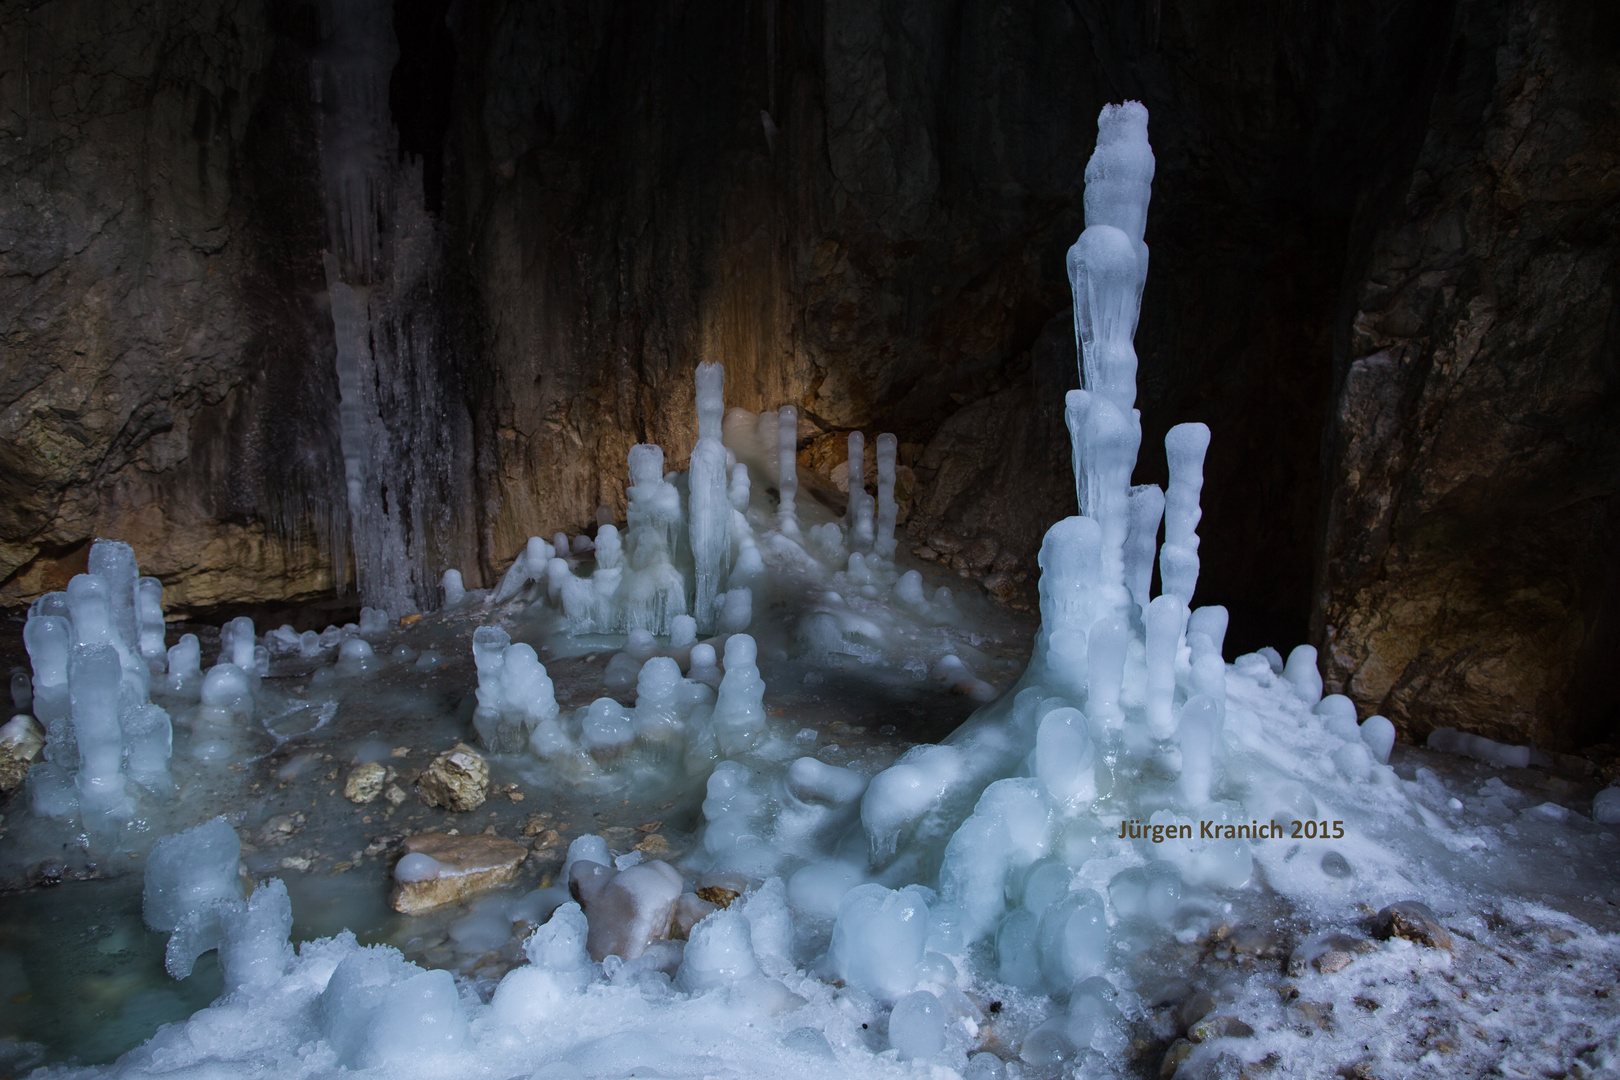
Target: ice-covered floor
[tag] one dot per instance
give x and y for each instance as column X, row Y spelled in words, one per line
column 1508, row 858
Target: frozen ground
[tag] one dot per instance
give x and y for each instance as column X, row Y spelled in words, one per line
column 1507, row 858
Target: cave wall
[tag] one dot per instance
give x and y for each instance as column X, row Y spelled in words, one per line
column 1469, row 572
column 1382, row 265
column 163, row 374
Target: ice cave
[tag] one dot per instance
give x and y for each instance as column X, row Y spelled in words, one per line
column 559, row 540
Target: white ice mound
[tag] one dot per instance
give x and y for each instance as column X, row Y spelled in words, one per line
column 189, row 871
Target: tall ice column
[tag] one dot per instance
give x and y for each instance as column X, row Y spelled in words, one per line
column 1107, row 269
column 710, row 522
column 888, row 511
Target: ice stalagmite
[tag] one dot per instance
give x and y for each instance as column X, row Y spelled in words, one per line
column 1142, row 541
column 1184, row 446
column 149, row 614
column 887, row 509
column 655, row 591
column 709, row 500
column 1107, row 269
column 48, row 638
column 95, row 674
column 787, row 459
column 856, row 466
column 114, row 561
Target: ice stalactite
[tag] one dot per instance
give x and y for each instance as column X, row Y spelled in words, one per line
column 405, row 444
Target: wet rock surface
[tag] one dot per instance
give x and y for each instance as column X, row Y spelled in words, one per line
column 470, row 865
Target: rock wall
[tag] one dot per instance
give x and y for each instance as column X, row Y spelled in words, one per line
column 1469, row 574
column 162, row 374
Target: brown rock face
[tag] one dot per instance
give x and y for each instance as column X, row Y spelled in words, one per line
column 1469, row 575
column 472, row 864
column 157, row 380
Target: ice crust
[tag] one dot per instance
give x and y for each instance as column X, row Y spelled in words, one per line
column 1041, row 856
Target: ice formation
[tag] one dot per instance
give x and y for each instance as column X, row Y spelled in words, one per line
column 1129, row 796
column 94, row 650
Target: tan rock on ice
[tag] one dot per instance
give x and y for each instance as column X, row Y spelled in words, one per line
column 471, row 864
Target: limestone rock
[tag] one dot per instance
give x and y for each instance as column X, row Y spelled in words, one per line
column 1173, row 1057
column 365, row 782
column 21, row 742
column 471, row 864
column 1413, row 921
column 1327, row 953
column 630, row 909
column 458, row 779
column 1219, row 1027
column 720, row 896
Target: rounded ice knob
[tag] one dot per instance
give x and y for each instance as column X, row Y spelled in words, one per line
column 1300, row 672
column 917, row 1026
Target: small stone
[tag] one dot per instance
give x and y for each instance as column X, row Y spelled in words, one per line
column 653, row 845
column 925, row 553
column 718, row 895
column 410, row 620
column 1219, row 1027
column 690, row 910
column 400, row 751
column 21, row 742
column 1332, row 961
column 1173, row 1057
column 1195, row 1009
column 1413, row 921
column 549, row 838
column 1005, row 563
column 1312, row 951
column 395, row 794
column 649, row 826
column 295, row 862
column 1317, row 1013
column 977, row 556
column 515, row 796
column 944, row 543
column 1000, row 586
column 471, row 864
column 365, row 782
column 457, row 780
